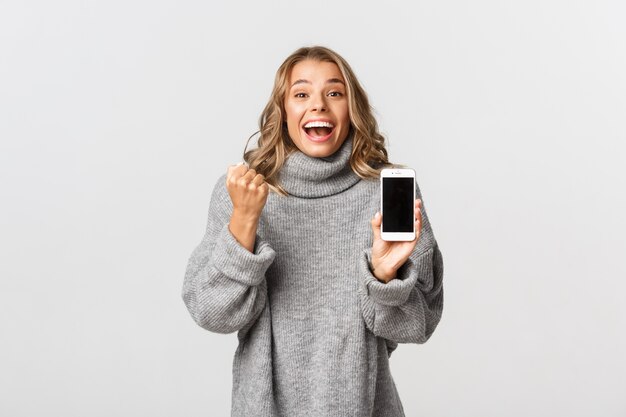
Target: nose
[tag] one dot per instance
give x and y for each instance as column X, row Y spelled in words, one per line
column 318, row 104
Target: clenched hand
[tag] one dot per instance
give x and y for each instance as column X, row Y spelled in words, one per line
column 248, row 191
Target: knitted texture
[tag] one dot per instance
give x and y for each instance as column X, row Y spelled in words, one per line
column 315, row 328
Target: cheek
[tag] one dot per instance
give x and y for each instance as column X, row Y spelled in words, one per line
column 345, row 114
column 292, row 118
column 292, row 112
column 342, row 108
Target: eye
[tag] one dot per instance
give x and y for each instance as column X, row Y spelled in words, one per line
column 338, row 94
column 300, row 95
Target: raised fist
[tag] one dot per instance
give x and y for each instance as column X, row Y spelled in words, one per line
column 247, row 189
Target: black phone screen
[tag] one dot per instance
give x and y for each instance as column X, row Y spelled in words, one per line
column 398, row 214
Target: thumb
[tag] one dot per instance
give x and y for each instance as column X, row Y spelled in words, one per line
column 376, row 222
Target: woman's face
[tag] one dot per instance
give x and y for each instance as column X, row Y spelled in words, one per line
column 316, row 107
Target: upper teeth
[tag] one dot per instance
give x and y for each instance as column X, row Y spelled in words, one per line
column 319, row 124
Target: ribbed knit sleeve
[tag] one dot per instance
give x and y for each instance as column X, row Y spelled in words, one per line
column 224, row 287
column 408, row 308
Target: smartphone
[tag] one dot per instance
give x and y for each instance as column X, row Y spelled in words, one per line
column 397, row 204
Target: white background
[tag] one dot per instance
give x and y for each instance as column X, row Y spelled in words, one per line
column 117, row 117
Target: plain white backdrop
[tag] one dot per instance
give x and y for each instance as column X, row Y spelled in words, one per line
column 117, row 118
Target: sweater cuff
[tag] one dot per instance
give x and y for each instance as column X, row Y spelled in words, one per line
column 395, row 292
column 237, row 262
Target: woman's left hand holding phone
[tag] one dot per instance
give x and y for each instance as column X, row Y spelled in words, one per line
column 248, row 192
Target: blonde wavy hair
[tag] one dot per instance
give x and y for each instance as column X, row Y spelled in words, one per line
column 369, row 155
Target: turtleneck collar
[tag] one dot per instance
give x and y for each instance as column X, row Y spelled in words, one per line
column 309, row 177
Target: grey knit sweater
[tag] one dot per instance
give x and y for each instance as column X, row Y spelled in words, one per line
column 316, row 329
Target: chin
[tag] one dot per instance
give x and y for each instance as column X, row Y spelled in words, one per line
column 320, row 150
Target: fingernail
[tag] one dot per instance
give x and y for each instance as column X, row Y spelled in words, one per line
column 377, row 214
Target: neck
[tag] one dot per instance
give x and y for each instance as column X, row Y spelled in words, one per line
column 310, row 177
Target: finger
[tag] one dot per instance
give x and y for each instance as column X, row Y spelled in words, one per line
column 376, row 222
column 417, row 210
column 264, row 188
column 249, row 175
column 418, row 222
column 245, row 179
column 258, row 179
column 236, row 171
column 418, row 228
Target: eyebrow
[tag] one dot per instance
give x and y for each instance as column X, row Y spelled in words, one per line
column 329, row 81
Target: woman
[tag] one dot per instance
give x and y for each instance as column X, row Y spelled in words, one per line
column 319, row 301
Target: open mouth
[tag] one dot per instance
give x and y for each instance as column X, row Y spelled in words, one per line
column 318, row 131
